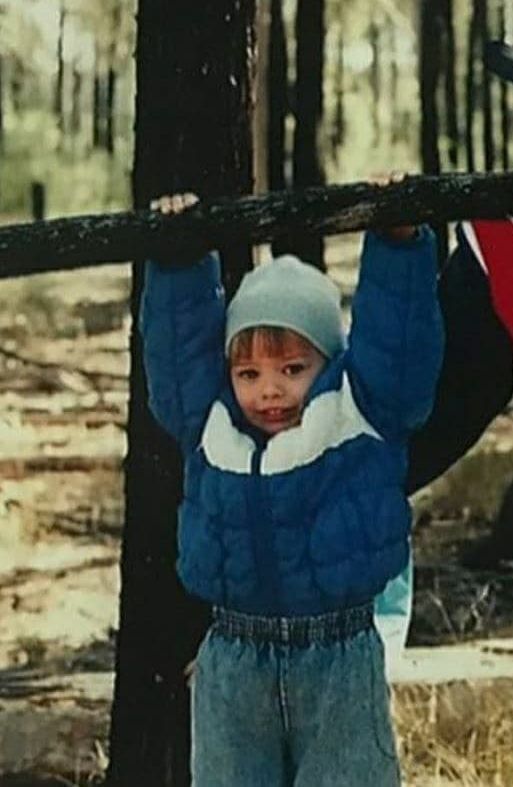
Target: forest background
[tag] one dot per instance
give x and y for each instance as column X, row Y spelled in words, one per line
column 401, row 90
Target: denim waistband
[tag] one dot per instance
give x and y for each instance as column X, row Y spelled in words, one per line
column 298, row 631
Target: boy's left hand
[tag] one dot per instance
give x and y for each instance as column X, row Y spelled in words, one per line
column 189, row 672
column 172, row 204
column 405, row 232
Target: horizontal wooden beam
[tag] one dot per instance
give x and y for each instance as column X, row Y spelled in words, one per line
column 69, row 243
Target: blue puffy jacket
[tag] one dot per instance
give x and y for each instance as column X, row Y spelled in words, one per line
column 314, row 518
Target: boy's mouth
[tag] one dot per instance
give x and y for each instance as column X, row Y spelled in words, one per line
column 277, row 414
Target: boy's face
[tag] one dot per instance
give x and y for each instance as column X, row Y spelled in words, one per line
column 271, row 389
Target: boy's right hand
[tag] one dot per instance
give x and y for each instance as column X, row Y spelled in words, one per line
column 401, row 233
column 189, row 672
column 174, row 203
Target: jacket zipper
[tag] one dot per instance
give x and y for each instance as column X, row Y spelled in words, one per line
column 263, row 540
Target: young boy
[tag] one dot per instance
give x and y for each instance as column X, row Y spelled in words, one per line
column 294, row 514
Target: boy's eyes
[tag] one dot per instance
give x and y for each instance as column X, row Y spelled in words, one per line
column 294, row 368
column 247, row 374
column 290, row 370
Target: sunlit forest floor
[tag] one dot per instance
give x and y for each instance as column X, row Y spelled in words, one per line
column 63, row 405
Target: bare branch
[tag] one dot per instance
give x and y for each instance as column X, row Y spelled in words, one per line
column 87, row 240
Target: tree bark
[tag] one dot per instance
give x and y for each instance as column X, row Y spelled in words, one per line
column 395, row 118
column 261, row 101
column 375, row 77
column 432, row 30
column 339, row 121
column 307, row 168
column 76, row 101
column 59, row 84
column 329, row 210
column 488, row 143
column 193, row 99
column 109, row 107
column 451, row 96
column 277, row 88
column 504, row 96
column 112, row 78
column 1, row 103
column 470, row 97
column 97, row 101
column 429, row 75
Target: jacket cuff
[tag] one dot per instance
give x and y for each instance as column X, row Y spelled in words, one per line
column 168, row 284
column 395, row 264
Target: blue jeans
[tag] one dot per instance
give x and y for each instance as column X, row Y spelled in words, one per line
column 278, row 706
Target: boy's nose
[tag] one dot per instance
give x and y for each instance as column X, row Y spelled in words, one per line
column 271, row 390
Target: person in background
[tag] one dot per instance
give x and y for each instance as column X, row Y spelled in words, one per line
column 475, row 384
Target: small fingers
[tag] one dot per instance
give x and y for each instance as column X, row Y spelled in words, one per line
column 174, row 204
column 189, row 673
column 381, row 179
column 189, row 669
column 190, row 199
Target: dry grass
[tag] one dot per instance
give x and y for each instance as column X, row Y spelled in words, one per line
column 458, row 733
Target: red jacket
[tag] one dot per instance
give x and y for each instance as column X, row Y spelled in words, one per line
column 492, row 244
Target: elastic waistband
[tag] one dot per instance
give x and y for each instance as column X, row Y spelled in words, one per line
column 301, row 631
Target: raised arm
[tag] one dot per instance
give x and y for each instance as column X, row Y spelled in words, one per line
column 396, row 339
column 182, row 327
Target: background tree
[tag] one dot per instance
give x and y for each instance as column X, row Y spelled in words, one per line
column 470, row 86
column 194, row 61
column 59, row 82
column 277, row 87
column 307, row 163
column 432, row 32
column 451, row 93
column 488, row 142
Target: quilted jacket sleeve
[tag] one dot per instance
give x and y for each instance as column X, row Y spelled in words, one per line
column 182, row 326
column 396, row 340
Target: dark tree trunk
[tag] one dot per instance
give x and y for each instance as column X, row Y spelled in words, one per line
column 339, row 121
column 488, row 143
column 395, row 121
column 97, row 102
column 504, row 99
column 261, row 99
column 307, row 168
column 17, row 80
column 277, row 87
column 38, row 193
column 112, row 77
column 76, row 101
column 470, row 90
column 430, row 66
column 1, row 103
column 431, row 30
column 505, row 124
column 109, row 110
column 59, row 83
column 374, row 41
column 451, row 99
column 192, row 132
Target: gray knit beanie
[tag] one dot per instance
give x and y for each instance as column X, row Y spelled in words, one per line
column 287, row 293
